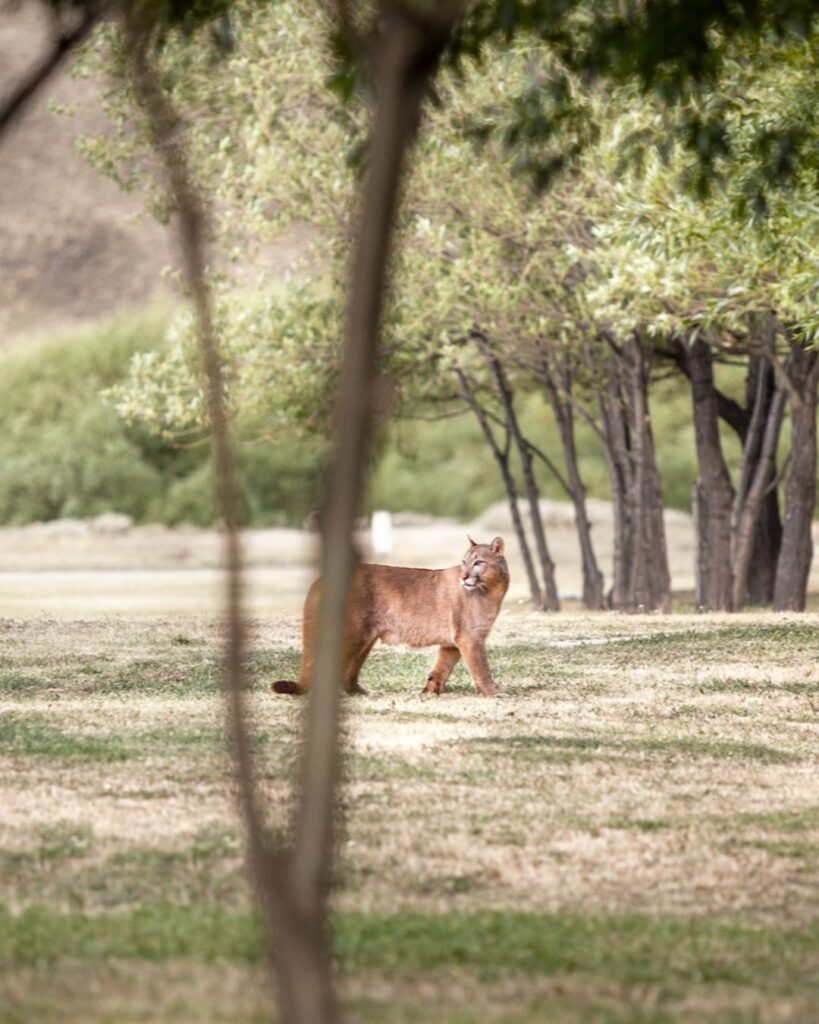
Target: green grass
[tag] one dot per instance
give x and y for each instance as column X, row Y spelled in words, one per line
column 33, row 736
column 562, row 748
column 780, row 848
column 643, row 824
column 21, row 685
column 803, row 820
column 631, row 949
column 186, row 672
column 757, row 686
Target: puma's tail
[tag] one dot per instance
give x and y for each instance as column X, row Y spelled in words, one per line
column 287, row 686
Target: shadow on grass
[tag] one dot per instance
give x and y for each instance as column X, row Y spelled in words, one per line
column 537, row 747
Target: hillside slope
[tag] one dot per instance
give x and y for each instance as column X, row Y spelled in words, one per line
column 73, row 247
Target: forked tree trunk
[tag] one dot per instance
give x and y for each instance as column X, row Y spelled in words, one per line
column 292, row 883
column 746, row 521
column 618, row 462
column 501, row 456
column 713, row 492
column 767, row 542
column 559, row 392
column 551, row 600
column 793, row 568
column 750, row 423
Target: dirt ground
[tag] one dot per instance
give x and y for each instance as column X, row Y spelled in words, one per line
column 106, row 567
column 76, row 247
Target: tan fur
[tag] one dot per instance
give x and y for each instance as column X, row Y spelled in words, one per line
column 453, row 609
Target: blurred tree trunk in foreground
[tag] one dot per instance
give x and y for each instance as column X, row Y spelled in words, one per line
column 404, row 48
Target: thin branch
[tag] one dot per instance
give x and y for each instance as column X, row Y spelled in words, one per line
column 481, row 414
column 574, row 401
column 14, row 104
column 418, row 418
column 169, row 141
column 533, row 448
column 780, row 369
column 780, row 476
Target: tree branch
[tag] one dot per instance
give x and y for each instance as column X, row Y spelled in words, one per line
column 14, row 104
column 169, row 141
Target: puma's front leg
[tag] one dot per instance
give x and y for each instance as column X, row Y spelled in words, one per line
column 355, row 658
column 473, row 652
column 445, row 662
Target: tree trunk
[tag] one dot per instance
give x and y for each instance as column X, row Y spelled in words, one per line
column 767, row 528
column 650, row 584
column 767, row 545
column 559, row 395
column 551, row 602
column 292, row 883
column 749, row 422
column 746, row 522
column 501, row 456
column 618, row 461
column 713, row 494
column 793, row 568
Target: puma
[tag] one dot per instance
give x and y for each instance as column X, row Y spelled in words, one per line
column 451, row 608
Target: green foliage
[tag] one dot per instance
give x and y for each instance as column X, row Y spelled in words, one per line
column 66, row 452
column 438, row 468
column 444, row 468
column 63, row 451
column 617, row 245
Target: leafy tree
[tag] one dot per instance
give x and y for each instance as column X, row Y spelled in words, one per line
column 659, row 259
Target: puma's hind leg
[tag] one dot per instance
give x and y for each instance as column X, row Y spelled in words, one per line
column 308, row 630
column 302, row 685
column 442, row 669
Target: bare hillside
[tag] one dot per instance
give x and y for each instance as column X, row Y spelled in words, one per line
column 73, row 248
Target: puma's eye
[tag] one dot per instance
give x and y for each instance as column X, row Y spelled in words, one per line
column 479, row 563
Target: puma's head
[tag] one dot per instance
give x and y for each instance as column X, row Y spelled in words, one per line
column 483, row 567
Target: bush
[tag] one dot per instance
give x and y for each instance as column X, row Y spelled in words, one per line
column 80, row 465
column 65, row 452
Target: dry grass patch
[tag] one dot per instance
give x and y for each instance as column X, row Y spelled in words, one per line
column 666, row 767
column 224, row 993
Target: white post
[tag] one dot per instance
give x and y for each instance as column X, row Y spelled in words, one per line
column 381, row 532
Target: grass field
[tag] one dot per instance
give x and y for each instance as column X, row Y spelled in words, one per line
column 628, row 835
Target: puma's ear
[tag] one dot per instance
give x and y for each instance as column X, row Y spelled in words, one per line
column 497, row 546
column 472, row 543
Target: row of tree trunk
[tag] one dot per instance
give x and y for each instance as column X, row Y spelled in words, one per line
column 746, row 553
